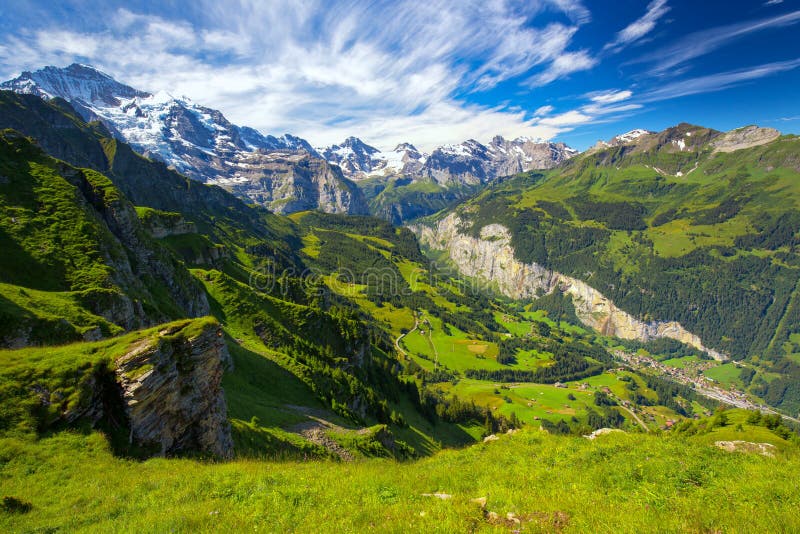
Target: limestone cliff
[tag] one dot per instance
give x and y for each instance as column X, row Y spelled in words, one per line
column 286, row 182
column 491, row 258
column 172, row 393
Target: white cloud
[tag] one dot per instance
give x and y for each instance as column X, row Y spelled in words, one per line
column 773, row 2
column 697, row 44
column 641, row 27
column 570, row 118
column 564, row 65
column 609, row 97
column 544, row 110
column 320, row 70
column 718, row 81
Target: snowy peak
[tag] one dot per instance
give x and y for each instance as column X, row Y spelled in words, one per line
column 359, row 160
column 74, row 83
column 633, row 136
column 470, row 162
column 283, row 173
column 629, row 137
column 405, row 147
column 357, row 145
column 196, row 140
column 468, row 149
column 353, row 156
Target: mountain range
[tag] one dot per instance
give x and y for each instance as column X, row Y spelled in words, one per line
column 285, row 174
column 614, row 304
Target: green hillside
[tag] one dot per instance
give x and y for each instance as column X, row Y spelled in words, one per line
column 671, row 229
column 356, row 361
column 530, row 481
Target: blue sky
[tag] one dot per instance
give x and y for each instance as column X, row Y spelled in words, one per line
column 434, row 72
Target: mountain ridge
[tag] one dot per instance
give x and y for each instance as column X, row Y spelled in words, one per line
column 199, row 141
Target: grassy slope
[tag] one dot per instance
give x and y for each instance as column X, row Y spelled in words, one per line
column 67, row 374
column 438, row 345
column 722, row 238
column 617, row 483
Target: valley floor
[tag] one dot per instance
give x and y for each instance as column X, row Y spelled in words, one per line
column 531, row 482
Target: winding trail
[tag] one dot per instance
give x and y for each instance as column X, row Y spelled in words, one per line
column 401, row 336
column 638, row 420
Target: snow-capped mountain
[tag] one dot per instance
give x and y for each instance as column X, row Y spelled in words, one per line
column 359, row 160
column 525, row 154
column 622, row 139
column 628, row 137
column 467, row 163
column 354, row 156
column 199, row 141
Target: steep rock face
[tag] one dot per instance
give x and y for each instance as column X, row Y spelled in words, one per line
column 491, row 258
column 353, row 156
column 70, row 230
column 162, row 224
column 746, row 137
column 172, row 392
column 287, row 182
column 468, row 164
column 143, row 258
column 359, row 160
column 511, row 157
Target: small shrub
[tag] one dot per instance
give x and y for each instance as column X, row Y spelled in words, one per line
column 13, row 505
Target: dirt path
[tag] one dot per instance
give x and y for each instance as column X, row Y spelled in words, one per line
column 401, row 336
column 633, row 414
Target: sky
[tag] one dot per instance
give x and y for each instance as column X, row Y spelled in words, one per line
column 433, row 72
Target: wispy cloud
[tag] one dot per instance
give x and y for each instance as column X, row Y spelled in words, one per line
column 698, row 44
column 563, row 65
column 599, row 106
column 609, row 97
column 322, row 70
column 641, row 27
column 718, row 81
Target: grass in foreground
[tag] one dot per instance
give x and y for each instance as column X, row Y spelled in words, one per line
column 617, row 483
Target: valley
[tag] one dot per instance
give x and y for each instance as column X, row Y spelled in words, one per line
column 520, row 324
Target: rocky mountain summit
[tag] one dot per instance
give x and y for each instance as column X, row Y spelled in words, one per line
column 467, row 163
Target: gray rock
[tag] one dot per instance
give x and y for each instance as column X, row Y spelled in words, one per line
column 172, row 392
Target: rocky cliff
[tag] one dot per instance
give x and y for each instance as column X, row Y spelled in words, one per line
column 287, row 182
column 491, row 258
column 172, row 390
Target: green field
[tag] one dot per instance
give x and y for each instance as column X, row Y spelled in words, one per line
column 726, row 374
column 616, row 483
column 681, row 363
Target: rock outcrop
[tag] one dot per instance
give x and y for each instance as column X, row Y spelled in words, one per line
column 491, row 258
column 172, row 392
column 287, row 182
column 746, row 137
column 764, row 449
